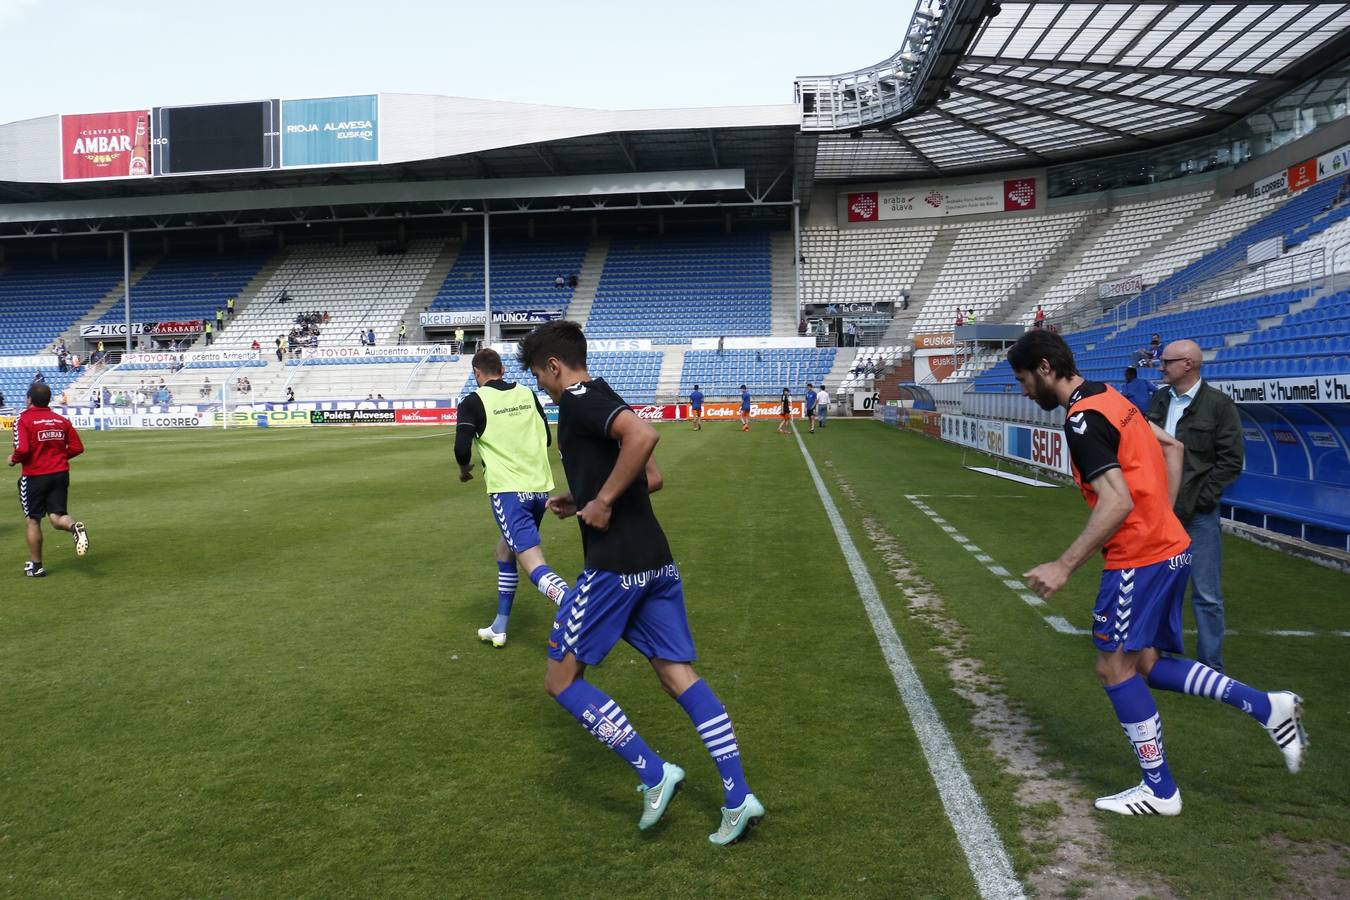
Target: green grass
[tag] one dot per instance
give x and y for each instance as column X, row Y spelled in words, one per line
column 263, row 681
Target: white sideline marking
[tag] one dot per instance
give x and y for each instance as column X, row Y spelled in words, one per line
column 1059, row 623
column 985, row 854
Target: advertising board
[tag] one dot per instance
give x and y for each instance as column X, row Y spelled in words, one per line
column 499, row 316
column 927, row 202
column 1302, row 389
column 106, row 145
column 330, row 131
column 758, row 410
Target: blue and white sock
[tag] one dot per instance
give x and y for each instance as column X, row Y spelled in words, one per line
column 1186, row 676
column 1138, row 716
column 548, row 582
column 507, row 579
column 714, row 727
column 601, row 716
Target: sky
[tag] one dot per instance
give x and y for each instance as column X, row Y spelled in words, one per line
column 76, row 56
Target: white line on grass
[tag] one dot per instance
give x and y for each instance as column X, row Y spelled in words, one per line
column 985, row 854
column 1059, row 623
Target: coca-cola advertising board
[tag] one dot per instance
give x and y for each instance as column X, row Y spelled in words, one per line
column 102, row 145
column 657, row 412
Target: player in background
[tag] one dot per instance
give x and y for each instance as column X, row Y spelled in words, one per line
column 630, row 588
column 696, row 408
column 745, row 409
column 1129, row 471
column 44, row 444
column 505, row 422
column 811, row 407
column 785, row 415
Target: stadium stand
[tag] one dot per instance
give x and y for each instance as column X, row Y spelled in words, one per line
column 989, row 261
column 677, row 287
column 39, row 301
column 765, row 371
column 632, row 373
column 872, row 264
column 1134, row 227
column 180, row 288
column 14, row 382
column 523, row 274
column 360, row 285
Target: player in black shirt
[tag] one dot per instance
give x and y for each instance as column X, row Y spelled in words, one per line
column 631, row 587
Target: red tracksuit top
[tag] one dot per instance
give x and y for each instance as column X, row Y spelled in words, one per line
column 44, row 442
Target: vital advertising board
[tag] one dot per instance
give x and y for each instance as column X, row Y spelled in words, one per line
column 222, row 137
column 920, row 202
column 106, row 145
column 330, row 131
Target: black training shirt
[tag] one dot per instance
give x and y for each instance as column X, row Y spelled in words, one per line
column 634, row 541
column 1094, row 443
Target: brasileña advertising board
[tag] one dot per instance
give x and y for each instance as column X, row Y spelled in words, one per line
column 254, row 135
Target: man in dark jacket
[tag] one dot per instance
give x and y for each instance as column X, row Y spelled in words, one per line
column 1206, row 421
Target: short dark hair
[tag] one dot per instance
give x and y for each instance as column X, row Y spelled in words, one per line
column 742, row 387
column 695, row 387
column 40, row 394
column 1034, row 346
column 488, row 360
column 1131, row 373
column 559, row 339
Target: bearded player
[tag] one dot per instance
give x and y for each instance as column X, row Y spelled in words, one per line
column 1129, row 471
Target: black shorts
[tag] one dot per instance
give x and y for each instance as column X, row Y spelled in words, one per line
column 42, row 495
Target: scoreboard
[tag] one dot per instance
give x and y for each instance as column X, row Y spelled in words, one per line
column 225, row 137
column 250, row 136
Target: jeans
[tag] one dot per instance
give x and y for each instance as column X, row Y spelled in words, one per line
column 822, row 413
column 1206, row 590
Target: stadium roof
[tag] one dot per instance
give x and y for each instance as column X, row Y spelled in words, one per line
column 1040, row 83
column 436, row 154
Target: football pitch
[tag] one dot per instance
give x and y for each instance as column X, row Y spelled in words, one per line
column 264, row 681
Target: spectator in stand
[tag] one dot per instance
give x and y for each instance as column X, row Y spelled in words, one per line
column 379, row 396
column 220, row 320
column 370, row 396
column 801, row 327
column 2, row 399
column 1150, row 355
column 290, row 395
column 1136, row 390
column 869, row 368
column 75, row 362
column 206, row 330
column 402, row 333
column 960, row 318
column 572, row 280
column 721, row 343
column 852, row 332
column 759, row 358
column 904, row 299
column 1039, row 322
column 61, row 357
column 822, row 405
column 229, row 307
column 38, row 377
column 1206, row 421
column 370, row 337
column 459, row 340
column 559, row 282
column 257, row 348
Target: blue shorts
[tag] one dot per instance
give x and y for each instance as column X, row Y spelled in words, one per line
column 518, row 517
column 645, row 609
column 1141, row 608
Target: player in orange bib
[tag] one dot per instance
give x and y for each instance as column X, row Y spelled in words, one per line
column 1129, row 470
